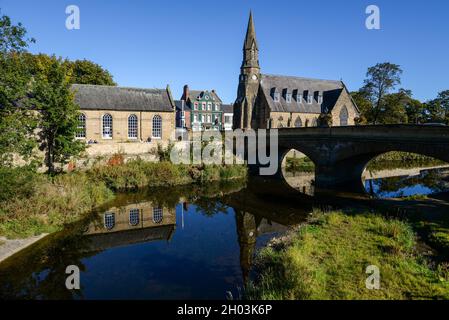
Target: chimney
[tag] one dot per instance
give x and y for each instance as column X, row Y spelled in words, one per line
column 185, row 94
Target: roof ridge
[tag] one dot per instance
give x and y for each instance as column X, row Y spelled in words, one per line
column 115, row 87
column 297, row 77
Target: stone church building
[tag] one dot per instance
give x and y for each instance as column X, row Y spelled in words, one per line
column 271, row 101
column 110, row 114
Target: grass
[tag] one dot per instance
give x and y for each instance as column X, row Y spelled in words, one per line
column 327, row 259
column 399, row 160
column 303, row 164
column 33, row 203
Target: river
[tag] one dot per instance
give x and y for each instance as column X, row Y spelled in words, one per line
column 187, row 242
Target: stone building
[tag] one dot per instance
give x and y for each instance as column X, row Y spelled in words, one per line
column 271, row 101
column 112, row 114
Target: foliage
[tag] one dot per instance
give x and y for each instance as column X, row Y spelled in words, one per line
column 16, row 121
column 58, row 114
column 88, row 72
column 303, row 164
column 327, row 258
column 12, row 37
column 325, row 120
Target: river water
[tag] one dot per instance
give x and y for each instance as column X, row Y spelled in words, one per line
column 187, row 242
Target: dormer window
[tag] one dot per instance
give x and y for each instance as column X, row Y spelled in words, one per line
column 288, row 97
column 320, row 98
column 277, row 97
column 299, row 97
column 309, row 99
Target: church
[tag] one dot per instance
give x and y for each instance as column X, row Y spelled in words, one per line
column 272, row 101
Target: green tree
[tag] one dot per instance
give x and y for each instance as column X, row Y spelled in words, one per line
column 54, row 99
column 87, row 72
column 12, row 37
column 364, row 104
column 381, row 79
column 17, row 122
column 437, row 110
column 393, row 108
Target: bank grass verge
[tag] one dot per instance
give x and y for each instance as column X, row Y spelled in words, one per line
column 328, row 257
column 32, row 203
column 303, row 164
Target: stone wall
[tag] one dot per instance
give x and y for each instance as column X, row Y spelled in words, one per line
column 120, row 125
column 344, row 100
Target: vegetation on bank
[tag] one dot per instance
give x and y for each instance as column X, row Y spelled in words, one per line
column 303, row 164
column 328, row 257
column 32, row 203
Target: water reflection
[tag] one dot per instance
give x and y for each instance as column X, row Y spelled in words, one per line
column 178, row 243
column 416, row 182
column 145, row 245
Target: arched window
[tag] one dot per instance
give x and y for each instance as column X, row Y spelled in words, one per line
column 157, row 126
column 314, row 122
column 109, row 220
column 107, row 126
column 298, row 122
column 307, row 122
column 132, row 126
column 81, row 129
column 158, row 215
column 344, row 116
column 134, row 217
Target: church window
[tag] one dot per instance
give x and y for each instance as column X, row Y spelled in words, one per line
column 134, row 217
column 109, row 220
column 107, row 126
column 157, row 127
column 158, row 215
column 298, row 122
column 81, row 128
column 344, row 116
column 132, row 126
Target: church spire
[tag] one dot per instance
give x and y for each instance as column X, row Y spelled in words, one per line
column 250, row 34
column 250, row 48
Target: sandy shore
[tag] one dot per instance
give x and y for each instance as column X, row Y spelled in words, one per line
column 10, row 247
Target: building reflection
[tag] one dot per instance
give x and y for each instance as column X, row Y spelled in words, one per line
column 130, row 224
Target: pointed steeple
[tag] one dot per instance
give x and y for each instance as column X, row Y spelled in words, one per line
column 250, row 34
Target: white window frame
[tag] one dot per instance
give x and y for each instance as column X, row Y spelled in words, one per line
column 288, row 97
column 81, row 135
column 111, row 132
column 153, row 127
column 109, row 220
column 133, row 117
column 309, row 99
column 158, row 215
column 134, row 217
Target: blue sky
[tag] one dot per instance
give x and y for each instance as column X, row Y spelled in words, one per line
column 153, row 43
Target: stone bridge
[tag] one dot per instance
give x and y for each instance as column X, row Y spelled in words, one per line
column 341, row 154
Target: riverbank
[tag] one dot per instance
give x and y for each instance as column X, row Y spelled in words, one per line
column 327, row 259
column 33, row 203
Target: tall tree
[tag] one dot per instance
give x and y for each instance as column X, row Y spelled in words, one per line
column 438, row 109
column 16, row 121
column 12, row 37
column 87, row 72
column 54, row 100
column 381, row 79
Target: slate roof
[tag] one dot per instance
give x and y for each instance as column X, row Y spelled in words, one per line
column 194, row 94
column 330, row 89
column 103, row 241
column 179, row 106
column 98, row 97
column 227, row 108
